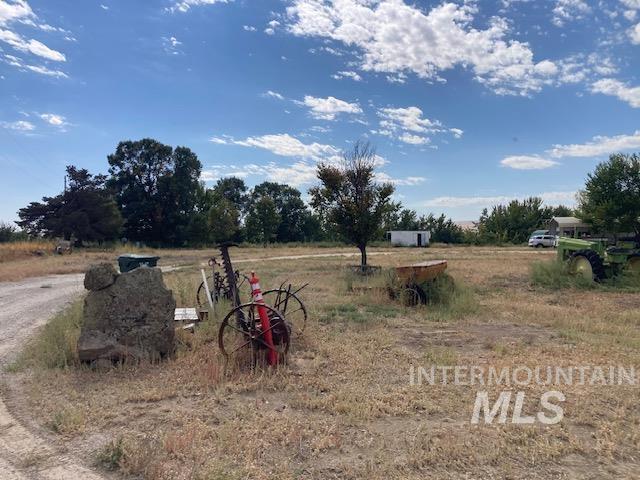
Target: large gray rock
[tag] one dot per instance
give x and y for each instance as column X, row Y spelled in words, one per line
column 99, row 276
column 131, row 319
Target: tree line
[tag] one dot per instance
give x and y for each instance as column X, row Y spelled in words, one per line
column 152, row 194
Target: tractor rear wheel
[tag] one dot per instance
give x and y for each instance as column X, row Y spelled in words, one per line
column 633, row 263
column 587, row 264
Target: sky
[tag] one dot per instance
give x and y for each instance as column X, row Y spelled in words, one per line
column 469, row 103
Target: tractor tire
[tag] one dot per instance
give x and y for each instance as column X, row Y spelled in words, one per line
column 587, row 263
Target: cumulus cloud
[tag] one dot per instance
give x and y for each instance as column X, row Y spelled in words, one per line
column 395, row 38
column 610, row 86
column 329, row 108
column 404, row 181
column 569, row 10
column 599, row 145
column 249, row 28
column 409, row 125
column 527, row 162
column 347, row 74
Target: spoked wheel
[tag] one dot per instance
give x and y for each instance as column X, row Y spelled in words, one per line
column 412, row 295
column 587, row 264
column 291, row 307
column 242, row 340
column 201, row 295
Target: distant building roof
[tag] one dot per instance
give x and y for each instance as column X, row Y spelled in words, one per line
column 569, row 222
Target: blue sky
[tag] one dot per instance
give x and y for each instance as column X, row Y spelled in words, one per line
column 468, row 103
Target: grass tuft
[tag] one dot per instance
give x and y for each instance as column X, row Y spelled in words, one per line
column 554, row 275
column 55, row 345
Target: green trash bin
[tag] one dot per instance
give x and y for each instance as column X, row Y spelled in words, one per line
column 132, row 261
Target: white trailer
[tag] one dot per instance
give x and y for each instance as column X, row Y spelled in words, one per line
column 409, row 238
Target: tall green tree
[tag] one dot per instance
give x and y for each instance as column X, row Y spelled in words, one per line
column 292, row 211
column 86, row 211
column 156, row 188
column 262, row 221
column 511, row 223
column 351, row 198
column 611, row 197
column 224, row 221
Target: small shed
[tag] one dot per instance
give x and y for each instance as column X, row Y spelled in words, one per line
column 409, row 238
column 569, row 227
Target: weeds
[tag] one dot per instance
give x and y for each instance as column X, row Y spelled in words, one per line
column 554, row 275
column 110, row 455
column 55, row 345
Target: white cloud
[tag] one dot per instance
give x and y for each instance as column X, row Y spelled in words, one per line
column 329, row 108
column 42, row 70
column 610, row 86
column 414, row 139
column 527, row 162
column 406, row 181
column 600, row 145
column 634, row 34
column 272, row 94
column 635, row 4
column 296, row 174
column 457, row 133
column 410, row 126
column 409, row 118
column 55, row 120
column 249, row 28
column 20, row 126
column 284, row 145
column 550, row 198
column 397, row 38
column 171, row 45
column 17, row 10
column 185, row 5
column 104, row 7
column 30, row 46
column 569, row 10
column 271, row 29
column 347, row 74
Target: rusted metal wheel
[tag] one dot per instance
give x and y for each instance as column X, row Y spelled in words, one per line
column 412, row 295
column 241, row 337
column 291, row 307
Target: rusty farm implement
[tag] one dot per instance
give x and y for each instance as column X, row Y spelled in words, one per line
column 259, row 326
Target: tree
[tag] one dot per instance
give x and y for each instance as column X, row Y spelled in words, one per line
column 7, row 232
column 86, row 211
column 156, row 188
column 351, row 198
column 611, row 197
column 291, row 209
column 442, row 229
column 408, row 220
column 262, row 221
column 234, row 190
column 224, row 220
column 512, row 222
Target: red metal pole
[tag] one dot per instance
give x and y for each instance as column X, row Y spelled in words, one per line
column 272, row 356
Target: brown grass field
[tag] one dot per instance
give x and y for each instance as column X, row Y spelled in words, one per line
column 343, row 406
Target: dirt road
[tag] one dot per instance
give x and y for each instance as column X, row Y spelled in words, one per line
column 24, row 306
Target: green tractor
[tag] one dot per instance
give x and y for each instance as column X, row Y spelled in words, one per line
column 594, row 260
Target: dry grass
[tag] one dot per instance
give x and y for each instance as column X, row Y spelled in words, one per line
column 343, row 406
column 21, row 250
